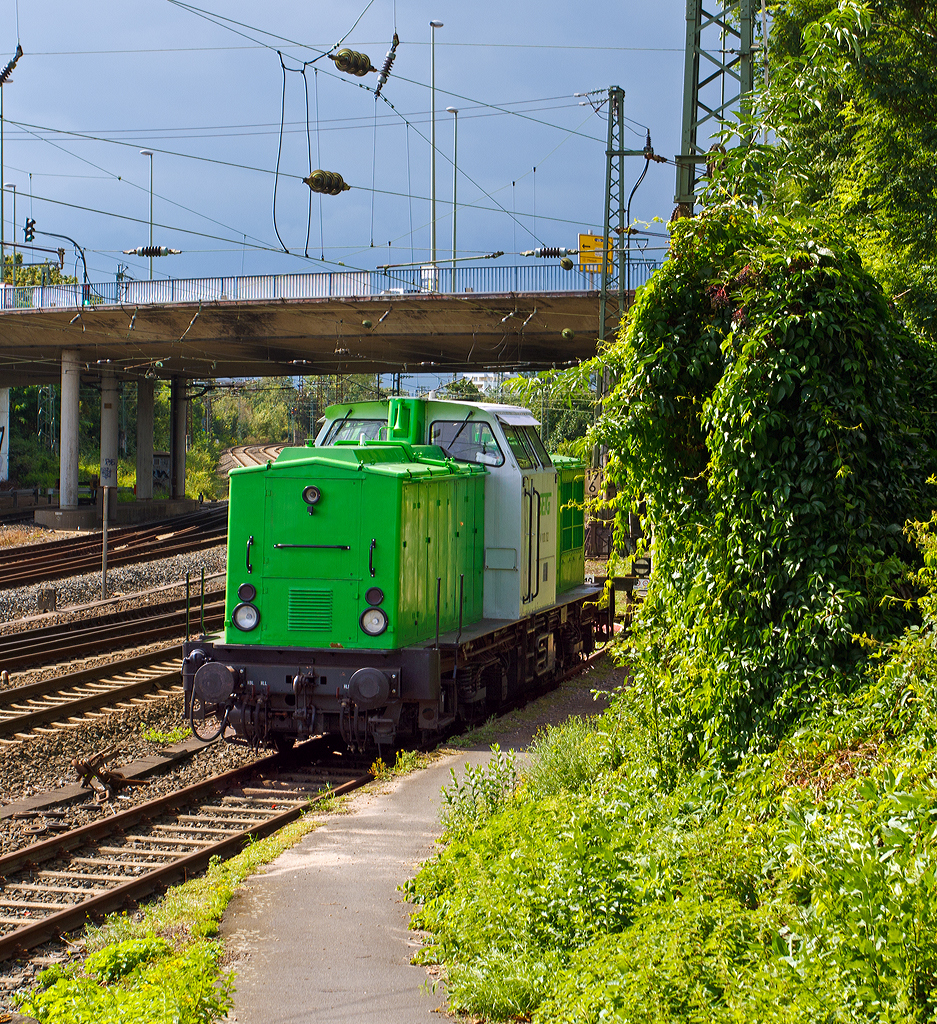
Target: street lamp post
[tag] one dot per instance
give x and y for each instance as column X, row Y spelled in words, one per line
column 11, row 185
column 149, row 153
column 455, row 175
column 432, row 79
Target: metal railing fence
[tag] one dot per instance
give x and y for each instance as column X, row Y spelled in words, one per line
column 489, row 280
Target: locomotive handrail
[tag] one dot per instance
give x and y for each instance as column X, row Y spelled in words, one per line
column 530, row 541
column 371, row 555
column 327, row 547
column 250, row 540
column 533, row 491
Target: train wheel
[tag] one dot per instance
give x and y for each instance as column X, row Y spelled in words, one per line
column 207, row 719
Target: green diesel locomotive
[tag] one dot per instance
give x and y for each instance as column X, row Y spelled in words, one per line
column 420, row 563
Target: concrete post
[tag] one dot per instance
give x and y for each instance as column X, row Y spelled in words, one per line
column 4, row 433
column 145, row 393
column 68, row 420
column 177, row 413
column 109, row 400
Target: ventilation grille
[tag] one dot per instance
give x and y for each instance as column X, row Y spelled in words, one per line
column 311, row 610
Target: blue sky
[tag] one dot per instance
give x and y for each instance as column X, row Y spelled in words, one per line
column 99, row 81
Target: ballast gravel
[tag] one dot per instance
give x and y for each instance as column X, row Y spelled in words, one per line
column 42, row 763
column 17, row 603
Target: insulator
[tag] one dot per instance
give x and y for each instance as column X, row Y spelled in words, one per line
column 352, row 62
column 548, row 252
column 152, row 250
column 389, row 59
column 328, row 182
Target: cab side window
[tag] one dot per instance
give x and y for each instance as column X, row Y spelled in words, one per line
column 520, row 447
column 533, row 438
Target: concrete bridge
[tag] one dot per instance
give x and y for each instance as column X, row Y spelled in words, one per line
column 410, row 320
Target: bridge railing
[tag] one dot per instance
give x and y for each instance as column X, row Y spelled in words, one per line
column 525, row 278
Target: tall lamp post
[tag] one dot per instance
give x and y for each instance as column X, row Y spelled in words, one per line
column 11, row 185
column 149, row 153
column 432, row 89
column 455, row 175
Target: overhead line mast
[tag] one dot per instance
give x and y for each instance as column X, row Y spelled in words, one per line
column 718, row 74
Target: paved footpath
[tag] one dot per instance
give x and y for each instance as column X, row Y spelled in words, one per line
column 321, row 934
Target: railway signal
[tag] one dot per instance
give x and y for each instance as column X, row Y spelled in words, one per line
column 29, row 231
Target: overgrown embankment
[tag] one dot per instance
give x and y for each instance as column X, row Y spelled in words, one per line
column 754, row 838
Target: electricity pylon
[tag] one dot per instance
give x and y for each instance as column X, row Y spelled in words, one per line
column 717, row 75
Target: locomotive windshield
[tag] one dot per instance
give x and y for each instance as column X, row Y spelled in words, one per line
column 355, row 430
column 467, row 441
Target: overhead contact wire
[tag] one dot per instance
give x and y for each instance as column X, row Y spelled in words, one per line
column 279, row 150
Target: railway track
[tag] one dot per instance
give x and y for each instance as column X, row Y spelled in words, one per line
column 61, row 642
column 71, row 557
column 60, row 702
column 248, row 455
column 56, row 885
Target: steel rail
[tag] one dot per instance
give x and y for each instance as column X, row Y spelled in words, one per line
column 162, row 528
column 15, row 720
column 181, row 864
column 22, row 650
column 43, row 570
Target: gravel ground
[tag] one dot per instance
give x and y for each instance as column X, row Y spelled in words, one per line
column 43, row 763
column 19, row 602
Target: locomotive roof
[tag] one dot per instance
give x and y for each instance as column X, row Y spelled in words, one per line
column 514, row 415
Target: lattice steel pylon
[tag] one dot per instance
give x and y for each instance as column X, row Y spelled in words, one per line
column 610, row 314
column 717, row 74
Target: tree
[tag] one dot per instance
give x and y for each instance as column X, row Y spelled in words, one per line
column 846, row 130
column 43, row 273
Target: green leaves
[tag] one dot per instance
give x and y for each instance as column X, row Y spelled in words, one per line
column 773, row 440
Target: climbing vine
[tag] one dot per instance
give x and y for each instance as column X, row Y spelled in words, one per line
column 779, row 422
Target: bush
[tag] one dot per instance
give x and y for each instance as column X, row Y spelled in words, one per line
column 566, row 758
column 780, row 423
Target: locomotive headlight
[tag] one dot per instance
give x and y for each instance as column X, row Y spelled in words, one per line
column 246, row 617
column 311, row 494
column 374, row 621
column 374, row 595
column 247, row 592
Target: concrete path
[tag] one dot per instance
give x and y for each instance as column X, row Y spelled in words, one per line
column 321, row 934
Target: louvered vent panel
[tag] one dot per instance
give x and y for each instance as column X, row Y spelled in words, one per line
column 311, row 610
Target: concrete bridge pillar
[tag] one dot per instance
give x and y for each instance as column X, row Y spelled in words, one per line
column 4, row 433
column 68, row 446
column 145, row 392
column 178, row 409
column 109, row 428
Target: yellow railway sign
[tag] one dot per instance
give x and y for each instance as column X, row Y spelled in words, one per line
column 590, row 253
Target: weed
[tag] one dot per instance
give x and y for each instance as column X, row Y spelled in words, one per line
column 166, row 738
column 483, row 790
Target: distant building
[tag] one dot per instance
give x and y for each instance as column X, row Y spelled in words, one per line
column 489, row 382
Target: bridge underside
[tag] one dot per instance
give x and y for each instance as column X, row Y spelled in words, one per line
column 262, row 338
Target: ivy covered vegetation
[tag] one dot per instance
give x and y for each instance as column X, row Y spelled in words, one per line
column 750, row 832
